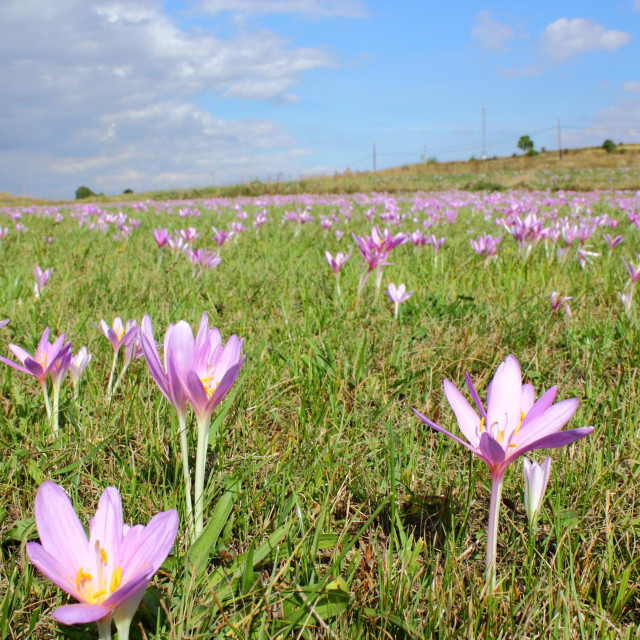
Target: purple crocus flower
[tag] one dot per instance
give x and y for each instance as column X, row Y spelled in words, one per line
column 558, row 301
column 633, row 270
column 613, row 241
column 220, row 236
column 198, row 371
column 3, row 323
column 42, row 277
column 161, row 236
column 397, row 295
column 338, row 262
column 107, row 572
column 511, row 425
column 49, row 359
column 119, row 335
column 77, row 366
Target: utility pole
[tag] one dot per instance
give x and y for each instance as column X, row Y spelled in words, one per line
column 484, row 147
column 559, row 141
column 374, row 157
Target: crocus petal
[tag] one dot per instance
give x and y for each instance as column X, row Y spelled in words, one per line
column 202, row 336
column 223, row 386
column 49, row 566
column 552, row 420
column 153, row 362
column 19, row 352
column 433, row 425
column 80, row 613
column 106, row 525
column 58, row 526
column 506, row 391
column 230, row 354
column 15, row 365
column 474, row 395
column 180, row 349
column 34, row 368
column 527, row 398
column 197, row 394
column 129, row 588
column 492, row 451
column 467, row 418
column 542, row 404
column 553, row 441
column 147, row 547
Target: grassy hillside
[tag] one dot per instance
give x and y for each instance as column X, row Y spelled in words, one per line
column 580, row 169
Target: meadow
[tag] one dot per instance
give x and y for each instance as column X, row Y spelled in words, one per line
column 330, row 509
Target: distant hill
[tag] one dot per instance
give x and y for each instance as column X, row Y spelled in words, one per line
column 579, row 169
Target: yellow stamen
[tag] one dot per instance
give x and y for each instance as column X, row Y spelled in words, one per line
column 103, row 555
column 208, row 387
column 512, row 445
column 96, row 598
column 82, row 576
column 116, row 579
column 521, row 421
column 481, row 426
column 500, row 437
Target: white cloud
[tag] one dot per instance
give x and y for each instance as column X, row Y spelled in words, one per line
column 633, row 86
column 566, row 38
column 96, row 91
column 526, row 71
column 306, row 8
column 490, row 34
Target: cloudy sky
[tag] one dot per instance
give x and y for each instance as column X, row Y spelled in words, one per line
column 144, row 94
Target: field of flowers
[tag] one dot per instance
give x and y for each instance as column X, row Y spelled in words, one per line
column 264, row 382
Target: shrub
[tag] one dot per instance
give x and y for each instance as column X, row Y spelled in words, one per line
column 609, row 145
column 83, row 192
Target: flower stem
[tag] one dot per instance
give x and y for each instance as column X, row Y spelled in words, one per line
column 492, row 529
column 201, row 461
column 119, row 380
column 104, row 628
column 45, row 393
column 56, row 409
column 113, row 368
column 182, row 427
column 395, row 315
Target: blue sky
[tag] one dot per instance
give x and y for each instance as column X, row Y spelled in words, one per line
column 143, row 94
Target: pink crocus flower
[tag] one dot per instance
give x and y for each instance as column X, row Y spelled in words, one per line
column 633, row 270
column 42, row 277
column 198, row 371
column 338, row 262
column 511, row 425
column 77, row 366
column 49, row 359
column 558, row 301
column 612, row 241
column 107, row 572
column 486, row 245
column 161, row 236
column 119, row 335
column 536, row 478
column 397, row 295
column 220, row 236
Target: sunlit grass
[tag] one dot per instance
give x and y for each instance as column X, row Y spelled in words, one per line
column 333, row 512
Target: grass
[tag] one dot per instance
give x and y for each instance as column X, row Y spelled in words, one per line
column 333, row 512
